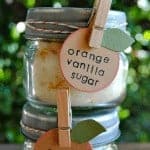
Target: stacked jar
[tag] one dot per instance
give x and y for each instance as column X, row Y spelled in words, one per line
column 46, row 31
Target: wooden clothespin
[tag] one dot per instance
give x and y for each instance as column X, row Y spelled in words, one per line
column 64, row 118
column 60, row 139
column 103, row 7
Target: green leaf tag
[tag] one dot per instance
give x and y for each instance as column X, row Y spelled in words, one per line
column 116, row 40
column 86, row 130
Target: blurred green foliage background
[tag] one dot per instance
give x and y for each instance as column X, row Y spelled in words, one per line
column 134, row 112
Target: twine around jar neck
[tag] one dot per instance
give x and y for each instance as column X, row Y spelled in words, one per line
column 30, row 25
column 29, row 129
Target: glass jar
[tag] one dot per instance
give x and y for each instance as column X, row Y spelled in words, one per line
column 46, row 32
column 36, row 120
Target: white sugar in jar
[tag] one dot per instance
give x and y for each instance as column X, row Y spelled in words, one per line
column 43, row 75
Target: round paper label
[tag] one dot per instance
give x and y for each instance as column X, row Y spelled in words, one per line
column 49, row 141
column 87, row 69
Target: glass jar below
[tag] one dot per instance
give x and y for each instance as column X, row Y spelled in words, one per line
column 36, row 121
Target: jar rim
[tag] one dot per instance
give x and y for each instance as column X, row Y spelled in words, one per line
column 72, row 16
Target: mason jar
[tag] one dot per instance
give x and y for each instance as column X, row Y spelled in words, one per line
column 36, row 120
column 47, row 29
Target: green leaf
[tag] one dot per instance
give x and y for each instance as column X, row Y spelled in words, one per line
column 116, row 40
column 86, row 130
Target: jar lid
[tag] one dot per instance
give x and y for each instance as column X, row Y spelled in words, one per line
column 36, row 121
column 57, row 23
